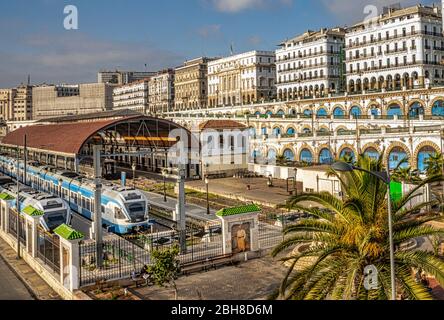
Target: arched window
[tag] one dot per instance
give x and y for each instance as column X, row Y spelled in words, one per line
column 252, row 131
column 355, row 111
column 306, row 130
column 423, row 155
column 271, row 156
column 277, row 131
column 371, row 153
column 269, row 113
column 438, row 108
column 257, row 113
column 338, row 113
column 347, row 153
column 396, row 156
column 394, row 109
column 264, row 130
column 375, row 111
column 416, row 109
column 307, row 113
column 289, row 155
column 306, row 156
column 291, row 131
column 280, row 113
column 325, row 156
column 322, row 113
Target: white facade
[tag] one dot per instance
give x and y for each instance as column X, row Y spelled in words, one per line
column 242, row 79
column 401, row 48
column 161, row 92
column 132, row 96
column 310, row 64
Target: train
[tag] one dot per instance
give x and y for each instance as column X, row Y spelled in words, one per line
column 55, row 210
column 125, row 210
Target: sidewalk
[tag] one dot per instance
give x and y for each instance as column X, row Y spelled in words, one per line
column 40, row 289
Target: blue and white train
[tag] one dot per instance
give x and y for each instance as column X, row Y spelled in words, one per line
column 56, row 211
column 124, row 210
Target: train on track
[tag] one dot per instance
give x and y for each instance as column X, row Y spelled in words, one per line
column 124, row 210
column 55, row 210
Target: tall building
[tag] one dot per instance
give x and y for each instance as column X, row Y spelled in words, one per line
column 311, row 64
column 133, row 96
column 400, row 48
column 122, row 77
column 16, row 103
column 61, row 100
column 191, row 84
column 242, row 79
column 161, row 92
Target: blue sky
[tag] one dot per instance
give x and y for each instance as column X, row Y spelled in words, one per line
column 129, row 34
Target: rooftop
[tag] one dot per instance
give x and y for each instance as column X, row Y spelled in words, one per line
column 221, row 124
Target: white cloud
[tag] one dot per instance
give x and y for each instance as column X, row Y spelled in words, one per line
column 255, row 40
column 209, row 30
column 235, row 6
column 74, row 57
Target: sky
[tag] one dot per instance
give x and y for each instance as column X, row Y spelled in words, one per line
column 129, row 34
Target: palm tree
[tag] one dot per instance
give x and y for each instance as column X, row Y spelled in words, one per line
column 331, row 252
column 281, row 160
column 406, row 174
column 434, row 164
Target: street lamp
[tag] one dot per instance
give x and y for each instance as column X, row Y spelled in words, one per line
column 207, row 181
column 384, row 177
column 164, row 173
column 133, row 166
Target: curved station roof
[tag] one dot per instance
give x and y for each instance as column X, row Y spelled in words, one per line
column 70, row 137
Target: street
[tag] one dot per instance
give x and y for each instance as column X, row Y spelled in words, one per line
column 11, row 288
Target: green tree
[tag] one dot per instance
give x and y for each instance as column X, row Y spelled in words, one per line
column 434, row 164
column 352, row 233
column 281, row 160
column 406, row 174
column 166, row 268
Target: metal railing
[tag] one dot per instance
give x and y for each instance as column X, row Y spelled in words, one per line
column 49, row 249
column 123, row 257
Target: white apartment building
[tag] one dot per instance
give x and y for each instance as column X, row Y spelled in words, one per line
column 133, row 96
column 311, row 64
column 402, row 48
column 242, row 79
column 161, row 92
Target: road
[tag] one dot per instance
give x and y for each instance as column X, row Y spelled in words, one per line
column 11, row 288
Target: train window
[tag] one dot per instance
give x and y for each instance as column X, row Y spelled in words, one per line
column 118, row 214
column 103, row 209
column 88, row 204
column 83, row 202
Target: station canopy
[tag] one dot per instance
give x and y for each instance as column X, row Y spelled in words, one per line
column 70, row 136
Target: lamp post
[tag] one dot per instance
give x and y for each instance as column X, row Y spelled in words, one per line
column 164, row 173
column 18, row 203
column 384, row 177
column 133, row 166
column 207, row 181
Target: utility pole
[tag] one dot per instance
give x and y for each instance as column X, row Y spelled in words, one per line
column 18, row 203
column 180, row 209
column 98, row 237
column 25, row 160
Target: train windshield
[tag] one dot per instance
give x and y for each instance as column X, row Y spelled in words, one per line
column 136, row 211
column 55, row 219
